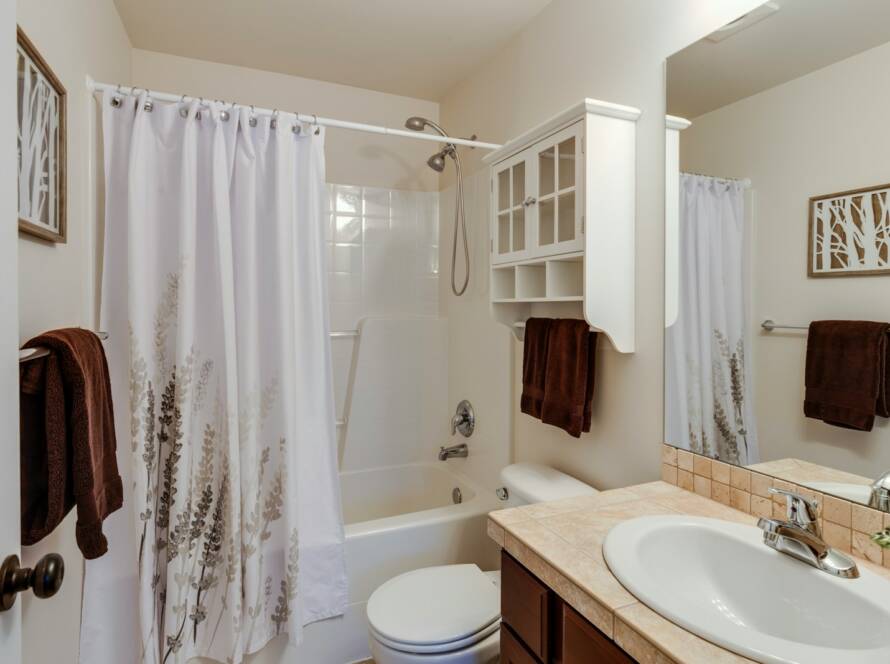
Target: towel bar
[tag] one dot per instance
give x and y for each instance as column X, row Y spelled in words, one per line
column 521, row 325
column 26, row 354
column 770, row 325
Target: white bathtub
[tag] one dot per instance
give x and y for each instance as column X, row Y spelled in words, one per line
column 398, row 519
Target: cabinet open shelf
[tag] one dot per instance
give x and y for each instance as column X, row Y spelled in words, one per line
column 549, row 279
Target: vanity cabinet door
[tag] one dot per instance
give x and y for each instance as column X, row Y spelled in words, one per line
column 524, row 606
column 512, row 650
column 582, row 643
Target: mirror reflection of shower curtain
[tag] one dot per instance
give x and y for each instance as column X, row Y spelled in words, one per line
column 708, row 401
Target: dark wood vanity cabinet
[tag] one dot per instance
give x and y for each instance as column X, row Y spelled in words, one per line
column 538, row 627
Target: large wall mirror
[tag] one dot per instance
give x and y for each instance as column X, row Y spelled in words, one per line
column 778, row 217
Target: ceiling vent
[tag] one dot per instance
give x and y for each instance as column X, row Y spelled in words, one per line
column 744, row 21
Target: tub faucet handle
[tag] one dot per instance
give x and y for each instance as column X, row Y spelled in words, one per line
column 464, row 419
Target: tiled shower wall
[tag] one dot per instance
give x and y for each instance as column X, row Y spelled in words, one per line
column 384, row 253
column 383, row 249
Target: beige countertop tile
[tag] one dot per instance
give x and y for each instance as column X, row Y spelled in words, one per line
column 561, row 543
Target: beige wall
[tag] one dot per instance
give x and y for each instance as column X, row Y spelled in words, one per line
column 351, row 157
column 56, row 281
column 611, row 51
column 818, row 134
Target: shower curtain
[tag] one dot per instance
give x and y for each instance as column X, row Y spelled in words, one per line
column 214, row 294
column 708, row 405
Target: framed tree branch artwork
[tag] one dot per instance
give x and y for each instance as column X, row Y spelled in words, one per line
column 850, row 233
column 41, row 145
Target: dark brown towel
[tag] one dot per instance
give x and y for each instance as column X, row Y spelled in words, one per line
column 568, row 388
column 847, row 380
column 534, row 365
column 67, row 439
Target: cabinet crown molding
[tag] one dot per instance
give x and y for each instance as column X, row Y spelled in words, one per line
column 559, row 121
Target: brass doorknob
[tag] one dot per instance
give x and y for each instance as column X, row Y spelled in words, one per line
column 45, row 578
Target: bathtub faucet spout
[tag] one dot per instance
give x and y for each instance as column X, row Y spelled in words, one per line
column 460, row 451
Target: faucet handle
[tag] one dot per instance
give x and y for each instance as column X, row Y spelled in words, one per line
column 801, row 510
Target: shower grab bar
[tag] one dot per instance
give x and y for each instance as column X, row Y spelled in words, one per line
column 344, row 334
column 28, row 354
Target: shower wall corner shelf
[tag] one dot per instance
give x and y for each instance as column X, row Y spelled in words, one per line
column 562, row 221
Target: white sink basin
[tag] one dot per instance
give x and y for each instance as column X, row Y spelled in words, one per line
column 718, row 580
column 860, row 493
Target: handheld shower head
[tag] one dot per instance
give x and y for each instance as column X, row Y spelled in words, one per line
column 437, row 163
column 416, row 123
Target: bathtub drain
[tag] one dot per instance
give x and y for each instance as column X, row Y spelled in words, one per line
column 457, row 496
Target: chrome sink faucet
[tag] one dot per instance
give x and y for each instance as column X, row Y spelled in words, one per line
column 800, row 537
column 880, row 493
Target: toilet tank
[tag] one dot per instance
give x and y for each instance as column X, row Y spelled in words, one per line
column 528, row 483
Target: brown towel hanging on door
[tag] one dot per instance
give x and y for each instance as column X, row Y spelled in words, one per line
column 847, row 381
column 68, row 447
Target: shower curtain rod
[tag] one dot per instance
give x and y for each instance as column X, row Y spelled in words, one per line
column 744, row 182
column 95, row 86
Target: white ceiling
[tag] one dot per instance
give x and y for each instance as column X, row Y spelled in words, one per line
column 418, row 48
column 803, row 36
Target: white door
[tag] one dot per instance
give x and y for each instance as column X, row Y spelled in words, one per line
column 10, row 621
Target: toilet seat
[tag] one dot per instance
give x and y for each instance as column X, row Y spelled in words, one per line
column 439, row 648
column 435, row 610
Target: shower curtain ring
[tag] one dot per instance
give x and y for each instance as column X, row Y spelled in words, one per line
column 317, row 128
column 274, row 122
column 252, row 120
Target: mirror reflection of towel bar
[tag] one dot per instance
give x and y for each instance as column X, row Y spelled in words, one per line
column 770, row 325
column 26, row 354
column 521, row 325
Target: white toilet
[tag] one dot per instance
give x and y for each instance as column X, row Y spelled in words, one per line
column 451, row 614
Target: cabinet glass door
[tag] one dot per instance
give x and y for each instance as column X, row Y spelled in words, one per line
column 510, row 184
column 558, row 177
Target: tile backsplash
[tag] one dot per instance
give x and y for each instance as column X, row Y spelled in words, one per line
column 846, row 525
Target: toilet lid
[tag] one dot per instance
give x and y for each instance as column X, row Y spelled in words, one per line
column 434, row 605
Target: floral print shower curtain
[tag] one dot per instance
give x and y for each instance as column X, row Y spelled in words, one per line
column 708, row 401
column 214, row 294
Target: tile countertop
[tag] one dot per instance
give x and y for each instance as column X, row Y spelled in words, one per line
column 561, row 543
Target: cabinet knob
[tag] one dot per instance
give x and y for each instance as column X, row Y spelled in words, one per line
column 531, row 200
column 45, row 578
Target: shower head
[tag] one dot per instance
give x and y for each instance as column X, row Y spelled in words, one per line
column 437, row 161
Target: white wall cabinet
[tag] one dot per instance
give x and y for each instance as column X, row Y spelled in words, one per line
column 562, row 221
